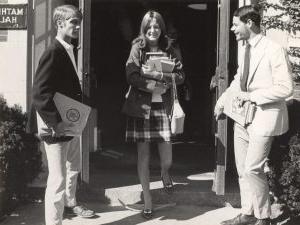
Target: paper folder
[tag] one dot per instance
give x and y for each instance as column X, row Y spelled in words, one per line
column 71, row 111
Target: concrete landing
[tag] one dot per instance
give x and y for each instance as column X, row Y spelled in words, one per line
column 176, row 215
column 109, row 187
column 115, row 194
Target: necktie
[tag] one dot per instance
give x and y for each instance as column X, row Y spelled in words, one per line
column 245, row 74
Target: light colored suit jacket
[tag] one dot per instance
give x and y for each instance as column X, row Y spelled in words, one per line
column 269, row 84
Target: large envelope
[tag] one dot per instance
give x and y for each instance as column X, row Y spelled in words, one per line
column 72, row 111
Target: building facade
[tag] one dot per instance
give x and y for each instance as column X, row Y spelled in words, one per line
column 107, row 30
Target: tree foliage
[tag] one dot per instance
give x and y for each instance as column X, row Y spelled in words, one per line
column 284, row 15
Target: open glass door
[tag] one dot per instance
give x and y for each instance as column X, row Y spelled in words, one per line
column 222, row 83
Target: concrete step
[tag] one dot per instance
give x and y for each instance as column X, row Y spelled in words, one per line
column 114, row 180
column 116, row 187
column 113, row 171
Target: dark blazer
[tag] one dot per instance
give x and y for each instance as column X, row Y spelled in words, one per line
column 55, row 73
column 138, row 101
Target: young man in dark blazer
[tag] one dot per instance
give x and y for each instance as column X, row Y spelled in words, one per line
column 57, row 72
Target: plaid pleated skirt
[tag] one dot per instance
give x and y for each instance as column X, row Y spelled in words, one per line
column 155, row 129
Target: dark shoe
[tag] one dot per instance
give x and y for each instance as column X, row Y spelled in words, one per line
column 168, row 186
column 263, row 222
column 240, row 219
column 80, row 211
column 147, row 214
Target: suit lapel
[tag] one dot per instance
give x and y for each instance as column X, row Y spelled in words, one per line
column 256, row 56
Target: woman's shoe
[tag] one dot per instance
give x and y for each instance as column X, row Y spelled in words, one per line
column 169, row 187
column 147, row 214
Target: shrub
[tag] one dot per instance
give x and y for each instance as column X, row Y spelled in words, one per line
column 20, row 159
column 284, row 176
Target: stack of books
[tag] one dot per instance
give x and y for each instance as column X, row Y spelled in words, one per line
column 242, row 114
column 159, row 62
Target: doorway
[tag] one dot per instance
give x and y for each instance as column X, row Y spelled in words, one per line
column 114, row 24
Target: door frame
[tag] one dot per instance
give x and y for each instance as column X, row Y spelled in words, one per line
column 222, row 84
column 84, row 46
column 84, row 75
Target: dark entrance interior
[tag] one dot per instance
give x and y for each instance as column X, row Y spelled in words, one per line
column 114, row 24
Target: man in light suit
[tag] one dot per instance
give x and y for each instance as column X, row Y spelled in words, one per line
column 263, row 78
column 57, row 72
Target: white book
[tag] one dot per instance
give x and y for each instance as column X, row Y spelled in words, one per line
column 241, row 114
column 155, row 62
column 154, row 54
column 167, row 66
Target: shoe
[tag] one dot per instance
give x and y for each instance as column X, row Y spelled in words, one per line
column 240, row 219
column 147, row 214
column 80, row 211
column 263, row 222
column 168, row 187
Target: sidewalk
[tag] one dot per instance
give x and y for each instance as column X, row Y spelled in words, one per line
column 177, row 215
column 114, row 185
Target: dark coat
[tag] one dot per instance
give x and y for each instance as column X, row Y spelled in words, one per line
column 138, row 101
column 55, row 73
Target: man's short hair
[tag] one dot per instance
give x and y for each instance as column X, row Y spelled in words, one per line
column 248, row 12
column 65, row 12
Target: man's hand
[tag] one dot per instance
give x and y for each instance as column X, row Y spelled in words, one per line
column 61, row 128
column 218, row 111
column 242, row 97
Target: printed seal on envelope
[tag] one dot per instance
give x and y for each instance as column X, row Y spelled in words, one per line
column 72, row 111
column 73, row 115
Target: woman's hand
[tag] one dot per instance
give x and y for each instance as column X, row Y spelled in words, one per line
column 150, row 73
column 147, row 69
column 60, row 129
column 160, row 88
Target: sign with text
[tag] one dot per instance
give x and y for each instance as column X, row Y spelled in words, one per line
column 13, row 16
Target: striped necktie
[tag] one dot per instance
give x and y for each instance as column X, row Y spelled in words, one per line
column 245, row 74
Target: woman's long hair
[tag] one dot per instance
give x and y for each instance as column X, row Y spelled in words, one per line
column 163, row 41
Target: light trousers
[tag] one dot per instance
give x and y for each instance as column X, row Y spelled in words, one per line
column 64, row 164
column 251, row 152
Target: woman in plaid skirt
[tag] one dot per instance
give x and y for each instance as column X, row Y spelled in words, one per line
column 149, row 101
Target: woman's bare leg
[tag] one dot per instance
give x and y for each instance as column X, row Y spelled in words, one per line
column 165, row 152
column 143, row 172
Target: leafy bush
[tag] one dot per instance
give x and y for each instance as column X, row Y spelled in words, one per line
column 20, row 159
column 284, row 176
